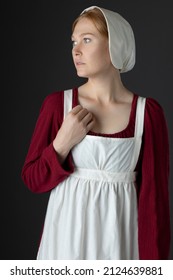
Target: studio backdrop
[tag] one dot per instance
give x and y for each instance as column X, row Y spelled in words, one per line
column 37, row 61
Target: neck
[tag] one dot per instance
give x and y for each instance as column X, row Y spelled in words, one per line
column 106, row 89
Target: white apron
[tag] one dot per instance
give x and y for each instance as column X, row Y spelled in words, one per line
column 92, row 215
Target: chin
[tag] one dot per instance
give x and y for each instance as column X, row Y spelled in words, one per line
column 82, row 75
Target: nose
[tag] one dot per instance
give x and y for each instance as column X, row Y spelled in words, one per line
column 76, row 49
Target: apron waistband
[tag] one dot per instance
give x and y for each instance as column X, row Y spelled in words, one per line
column 102, row 175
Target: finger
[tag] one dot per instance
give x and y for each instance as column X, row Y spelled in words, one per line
column 90, row 125
column 76, row 109
column 88, row 118
column 82, row 114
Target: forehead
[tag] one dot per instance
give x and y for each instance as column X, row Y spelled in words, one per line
column 85, row 25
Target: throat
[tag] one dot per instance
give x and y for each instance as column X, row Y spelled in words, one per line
column 110, row 118
column 111, row 121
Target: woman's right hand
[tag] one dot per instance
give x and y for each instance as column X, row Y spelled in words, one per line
column 78, row 122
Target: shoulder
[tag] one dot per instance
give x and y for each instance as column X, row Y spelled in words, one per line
column 153, row 107
column 153, row 104
column 53, row 100
column 154, row 111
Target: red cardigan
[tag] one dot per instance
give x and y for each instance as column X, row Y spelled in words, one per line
column 42, row 171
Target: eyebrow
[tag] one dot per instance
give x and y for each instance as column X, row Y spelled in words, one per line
column 83, row 34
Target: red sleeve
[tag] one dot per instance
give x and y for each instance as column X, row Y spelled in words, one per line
column 42, row 171
column 153, row 199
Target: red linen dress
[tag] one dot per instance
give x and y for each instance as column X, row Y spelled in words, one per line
column 42, row 172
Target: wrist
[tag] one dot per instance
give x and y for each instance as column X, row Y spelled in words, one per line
column 61, row 150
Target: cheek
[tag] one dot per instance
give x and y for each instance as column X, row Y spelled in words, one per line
column 105, row 55
column 101, row 52
column 104, row 50
column 72, row 54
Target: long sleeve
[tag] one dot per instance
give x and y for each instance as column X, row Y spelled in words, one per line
column 41, row 170
column 153, row 196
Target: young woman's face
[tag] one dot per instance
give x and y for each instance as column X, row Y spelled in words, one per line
column 90, row 50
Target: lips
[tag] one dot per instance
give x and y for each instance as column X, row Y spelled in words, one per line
column 78, row 63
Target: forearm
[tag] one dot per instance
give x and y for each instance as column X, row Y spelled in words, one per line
column 45, row 172
column 62, row 150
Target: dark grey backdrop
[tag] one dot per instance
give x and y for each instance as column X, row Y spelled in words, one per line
column 37, row 61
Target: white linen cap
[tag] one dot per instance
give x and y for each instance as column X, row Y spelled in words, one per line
column 121, row 40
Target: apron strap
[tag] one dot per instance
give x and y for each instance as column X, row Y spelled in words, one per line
column 139, row 125
column 68, row 97
column 140, row 111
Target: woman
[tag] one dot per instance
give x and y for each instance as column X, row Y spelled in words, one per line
column 102, row 151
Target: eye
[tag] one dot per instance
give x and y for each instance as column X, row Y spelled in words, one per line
column 74, row 43
column 87, row 40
